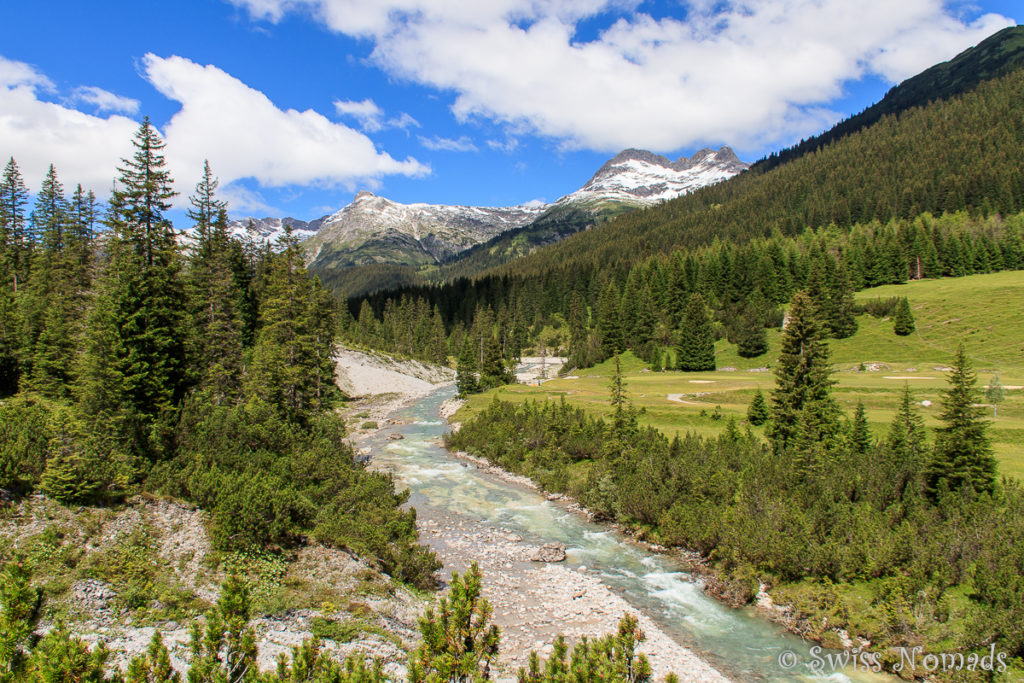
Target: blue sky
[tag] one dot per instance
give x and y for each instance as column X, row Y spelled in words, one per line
column 298, row 104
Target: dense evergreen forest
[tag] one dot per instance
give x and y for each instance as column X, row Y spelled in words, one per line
column 129, row 364
column 933, row 191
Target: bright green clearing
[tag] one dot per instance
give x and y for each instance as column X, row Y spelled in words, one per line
column 985, row 312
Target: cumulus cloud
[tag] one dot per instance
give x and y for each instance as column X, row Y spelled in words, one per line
column 83, row 148
column 745, row 72
column 104, row 100
column 436, row 144
column 242, row 133
column 371, row 117
column 245, row 135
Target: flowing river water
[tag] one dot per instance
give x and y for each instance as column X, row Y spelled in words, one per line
column 450, row 493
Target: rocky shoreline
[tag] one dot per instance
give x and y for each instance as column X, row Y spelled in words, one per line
column 533, row 601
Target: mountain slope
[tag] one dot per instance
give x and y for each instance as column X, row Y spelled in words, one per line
column 369, row 244
column 963, row 153
column 631, row 179
column 374, row 229
column 995, row 56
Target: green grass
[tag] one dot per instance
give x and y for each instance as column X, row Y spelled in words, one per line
column 982, row 311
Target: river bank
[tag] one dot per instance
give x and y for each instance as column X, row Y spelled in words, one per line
column 533, row 602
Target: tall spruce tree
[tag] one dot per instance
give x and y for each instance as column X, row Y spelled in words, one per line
column 216, row 347
column 134, row 367
column 801, row 403
column 609, row 321
column 292, row 369
column 695, row 350
column 14, row 223
column 49, row 313
column 962, row 455
column 843, row 320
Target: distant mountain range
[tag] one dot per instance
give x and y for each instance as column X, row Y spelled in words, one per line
column 376, row 230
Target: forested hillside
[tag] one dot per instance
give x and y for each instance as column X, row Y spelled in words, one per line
column 995, row 56
column 130, row 365
column 933, row 191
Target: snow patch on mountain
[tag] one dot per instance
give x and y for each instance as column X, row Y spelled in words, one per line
column 439, row 230
column 639, row 177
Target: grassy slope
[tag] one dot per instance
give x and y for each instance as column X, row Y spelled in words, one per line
column 984, row 311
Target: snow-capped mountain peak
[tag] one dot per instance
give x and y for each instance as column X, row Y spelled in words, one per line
column 640, row 177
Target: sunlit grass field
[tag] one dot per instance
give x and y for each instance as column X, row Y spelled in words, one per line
column 985, row 312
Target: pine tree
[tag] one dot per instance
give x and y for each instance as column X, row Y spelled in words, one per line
column 52, row 300
column 751, row 337
column 292, row 368
column 843, row 321
column 907, row 438
column 19, row 613
column 134, row 369
column 903, row 319
column 962, row 455
column 494, row 372
column 695, row 350
column 860, row 434
column 458, row 642
column 225, row 650
column 757, row 411
column 465, row 376
column 14, row 225
column 609, row 322
column 801, row 403
column 154, row 665
column 217, row 327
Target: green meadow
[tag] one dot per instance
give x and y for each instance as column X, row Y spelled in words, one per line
column 985, row 312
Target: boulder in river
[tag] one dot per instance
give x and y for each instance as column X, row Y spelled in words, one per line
column 549, row 552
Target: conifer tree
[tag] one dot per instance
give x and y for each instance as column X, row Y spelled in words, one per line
column 494, row 372
column 757, row 411
column 134, row 368
column 14, row 224
column 843, row 321
column 19, row 613
column 458, row 642
column 860, row 435
column 292, row 366
column 801, row 403
column 751, row 337
column 903, row 319
column 962, row 455
column 51, row 301
column 907, row 438
column 216, row 346
column 695, row 350
column 609, row 321
column 154, row 665
column 465, row 376
column 225, row 650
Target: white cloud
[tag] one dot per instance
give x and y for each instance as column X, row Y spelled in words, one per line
column 745, row 72
column 83, row 148
column 245, row 135
column 508, row 146
column 404, row 121
column 13, row 74
column 366, row 112
column 371, row 117
column 240, row 131
column 104, row 100
column 436, row 144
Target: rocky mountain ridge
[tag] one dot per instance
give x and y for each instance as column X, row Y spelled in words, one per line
column 376, row 230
